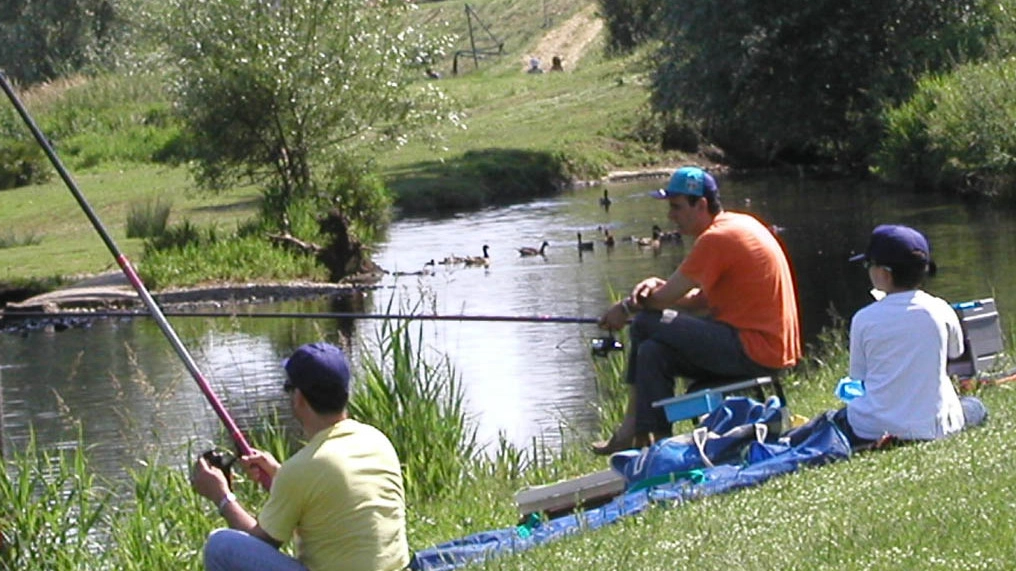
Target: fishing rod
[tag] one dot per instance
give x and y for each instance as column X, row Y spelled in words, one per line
column 17, row 314
column 599, row 346
column 243, row 447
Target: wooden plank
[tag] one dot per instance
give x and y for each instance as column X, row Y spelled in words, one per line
column 566, row 495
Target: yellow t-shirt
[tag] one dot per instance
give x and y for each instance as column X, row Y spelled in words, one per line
column 342, row 496
column 748, row 284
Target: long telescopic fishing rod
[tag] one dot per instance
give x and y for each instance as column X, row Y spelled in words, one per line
column 87, row 314
column 241, row 443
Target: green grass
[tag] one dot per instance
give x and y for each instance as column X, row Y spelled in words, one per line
column 936, row 505
column 68, row 245
column 589, row 111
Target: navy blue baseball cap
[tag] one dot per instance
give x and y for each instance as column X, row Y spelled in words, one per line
column 893, row 244
column 690, row 181
column 317, row 368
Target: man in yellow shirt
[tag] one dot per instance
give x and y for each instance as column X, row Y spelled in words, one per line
column 340, row 496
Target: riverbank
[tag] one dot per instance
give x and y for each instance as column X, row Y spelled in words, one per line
column 111, row 289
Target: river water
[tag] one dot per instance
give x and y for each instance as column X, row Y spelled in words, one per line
column 119, row 385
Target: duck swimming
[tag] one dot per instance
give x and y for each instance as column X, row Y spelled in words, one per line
column 452, row 261
column 527, row 251
column 584, row 246
column 483, row 260
column 654, row 241
column 608, row 238
column 605, row 200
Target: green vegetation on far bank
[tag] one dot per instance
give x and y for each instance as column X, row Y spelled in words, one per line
column 67, row 245
column 498, row 135
column 526, row 136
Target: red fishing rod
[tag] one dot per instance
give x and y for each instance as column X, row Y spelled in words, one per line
column 241, row 443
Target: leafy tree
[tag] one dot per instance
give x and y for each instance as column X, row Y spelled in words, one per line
column 283, row 92
column 41, row 40
column 956, row 133
column 805, row 80
column 629, row 23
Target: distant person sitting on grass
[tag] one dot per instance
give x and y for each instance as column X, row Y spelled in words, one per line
column 899, row 346
column 555, row 64
column 534, row 66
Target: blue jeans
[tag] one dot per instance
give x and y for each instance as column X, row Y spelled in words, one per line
column 974, row 411
column 232, row 550
column 668, row 344
column 974, row 414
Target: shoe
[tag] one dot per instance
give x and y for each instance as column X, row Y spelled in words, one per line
column 615, row 444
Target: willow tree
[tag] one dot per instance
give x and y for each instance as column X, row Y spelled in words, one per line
column 42, row 40
column 288, row 93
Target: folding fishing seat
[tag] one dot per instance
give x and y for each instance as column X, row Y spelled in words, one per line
column 704, row 395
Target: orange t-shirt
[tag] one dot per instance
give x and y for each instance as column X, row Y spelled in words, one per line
column 747, row 282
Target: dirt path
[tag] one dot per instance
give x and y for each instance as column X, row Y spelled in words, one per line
column 568, row 41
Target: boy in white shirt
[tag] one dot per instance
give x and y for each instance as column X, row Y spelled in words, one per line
column 899, row 346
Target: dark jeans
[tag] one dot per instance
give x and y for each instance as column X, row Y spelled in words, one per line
column 665, row 345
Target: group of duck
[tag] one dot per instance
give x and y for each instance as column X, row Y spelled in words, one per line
column 658, row 238
column 654, row 241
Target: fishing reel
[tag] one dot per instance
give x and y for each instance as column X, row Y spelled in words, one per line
column 602, row 346
column 223, row 460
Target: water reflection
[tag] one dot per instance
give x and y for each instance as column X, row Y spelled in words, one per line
column 122, row 384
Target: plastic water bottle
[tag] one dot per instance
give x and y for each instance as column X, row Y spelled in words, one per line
column 849, row 389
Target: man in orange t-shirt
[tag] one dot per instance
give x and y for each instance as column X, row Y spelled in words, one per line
column 738, row 282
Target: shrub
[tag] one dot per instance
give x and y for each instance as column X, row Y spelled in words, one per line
column 22, row 163
column 107, row 118
column 805, row 82
column 9, row 239
column 955, row 133
column 483, row 177
column 183, row 255
column 629, row 22
column 148, row 219
column 177, row 238
column 434, row 442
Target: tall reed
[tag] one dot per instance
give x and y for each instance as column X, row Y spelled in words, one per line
column 9, row 239
column 419, row 405
column 148, row 219
column 50, row 509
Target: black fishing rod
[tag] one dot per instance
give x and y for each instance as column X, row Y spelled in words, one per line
column 132, row 276
column 127, row 313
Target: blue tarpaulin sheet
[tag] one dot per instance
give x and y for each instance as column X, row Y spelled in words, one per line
column 674, row 482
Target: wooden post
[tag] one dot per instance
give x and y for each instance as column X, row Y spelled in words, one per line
column 472, row 40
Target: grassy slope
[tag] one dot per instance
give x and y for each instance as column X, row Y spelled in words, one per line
column 70, row 245
column 937, row 505
column 586, row 107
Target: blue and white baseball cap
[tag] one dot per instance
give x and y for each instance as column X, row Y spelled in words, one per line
column 690, row 181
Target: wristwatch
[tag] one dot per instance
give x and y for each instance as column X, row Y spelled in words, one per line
column 226, row 500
